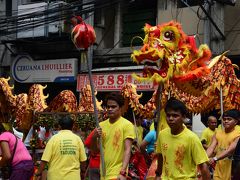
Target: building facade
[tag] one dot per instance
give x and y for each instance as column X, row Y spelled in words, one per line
column 41, row 30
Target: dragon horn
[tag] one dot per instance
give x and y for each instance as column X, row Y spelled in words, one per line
column 44, row 87
column 216, row 59
column 236, row 66
column 45, row 97
column 8, row 78
column 11, row 87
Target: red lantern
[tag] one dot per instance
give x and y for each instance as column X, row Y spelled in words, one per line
column 83, row 35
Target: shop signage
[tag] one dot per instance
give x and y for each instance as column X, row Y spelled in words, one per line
column 113, row 81
column 25, row 69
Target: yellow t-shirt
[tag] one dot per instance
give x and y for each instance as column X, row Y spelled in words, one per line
column 207, row 135
column 181, row 154
column 237, row 127
column 139, row 130
column 64, row 152
column 113, row 136
column 152, row 127
column 223, row 167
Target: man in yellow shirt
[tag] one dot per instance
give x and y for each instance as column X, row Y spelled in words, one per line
column 117, row 136
column 64, row 153
column 224, row 143
column 208, row 133
column 179, row 150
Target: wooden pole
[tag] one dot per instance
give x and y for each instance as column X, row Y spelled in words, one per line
column 158, row 104
column 135, row 126
column 89, row 62
column 221, row 104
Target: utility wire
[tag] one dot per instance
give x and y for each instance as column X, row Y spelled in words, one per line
column 185, row 2
column 51, row 4
column 234, row 25
column 11, row 26
column 112, row 47
column 54, row 10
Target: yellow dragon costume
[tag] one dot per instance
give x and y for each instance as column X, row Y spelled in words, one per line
column 187, row 73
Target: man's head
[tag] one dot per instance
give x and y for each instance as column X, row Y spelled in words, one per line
column 176, row 112
column 230, row 119
column 66, row 122
column 115, row 102
column 212, row 122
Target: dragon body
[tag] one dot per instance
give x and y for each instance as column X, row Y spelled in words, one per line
column 171, row 59
column 188, row 73
column 22, row 107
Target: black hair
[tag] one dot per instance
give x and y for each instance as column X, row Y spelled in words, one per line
column 176, row 105
column 115, row 96
column 2, row 129
column 233, row 113
column 65, row 121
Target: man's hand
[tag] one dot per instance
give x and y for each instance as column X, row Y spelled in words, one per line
column 121, row 177
column 38, row 175
column 97, row 132
column 212, row 163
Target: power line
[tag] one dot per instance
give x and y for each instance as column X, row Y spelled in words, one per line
column 234, row 25
column 112, row 47
column 11, row 25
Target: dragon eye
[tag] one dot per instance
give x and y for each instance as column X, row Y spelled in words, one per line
column 168, row 36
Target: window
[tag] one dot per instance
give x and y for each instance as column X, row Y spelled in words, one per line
column 135, row 15
column 9, row 8
column 98, row 18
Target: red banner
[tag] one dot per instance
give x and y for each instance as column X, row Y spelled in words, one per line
column 112, row 81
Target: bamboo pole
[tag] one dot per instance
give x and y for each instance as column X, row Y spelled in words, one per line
column 89, row 62
column 158, row 104
column 221, row 104
column 135, row 126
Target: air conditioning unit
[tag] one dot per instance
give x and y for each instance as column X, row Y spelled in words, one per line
column 37, row 22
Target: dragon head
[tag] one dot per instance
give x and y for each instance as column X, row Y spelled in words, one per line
column 167, row 52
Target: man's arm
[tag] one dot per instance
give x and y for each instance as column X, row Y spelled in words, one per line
column 204, row 143
column 83, row 166
column 228, row 152
column 126, row 156
column 40, row 169
column 144, row 152
column 204, row 139
column 6, row 155
column 159, row 167
column 94, row 146
column 143, row 146
column 203, row 168
column 88, row 140
column 212, row 146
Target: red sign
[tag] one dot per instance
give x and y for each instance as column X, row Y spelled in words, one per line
column 112, row 81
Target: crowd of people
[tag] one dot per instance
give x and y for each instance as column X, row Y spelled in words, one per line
column 132, row 150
